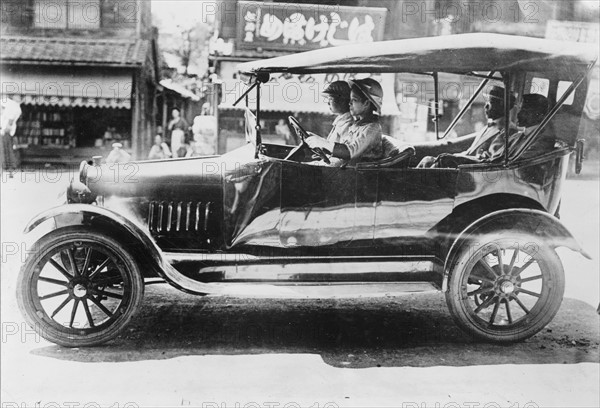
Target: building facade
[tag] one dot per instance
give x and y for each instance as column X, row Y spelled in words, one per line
column 85, row 73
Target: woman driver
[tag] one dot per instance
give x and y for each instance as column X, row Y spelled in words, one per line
column 363, row 141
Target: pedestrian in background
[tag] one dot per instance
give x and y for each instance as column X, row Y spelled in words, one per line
column 159, row 150
column 10, row 112
column 177, row 128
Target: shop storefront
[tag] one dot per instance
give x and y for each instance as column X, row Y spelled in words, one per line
column 79, row 103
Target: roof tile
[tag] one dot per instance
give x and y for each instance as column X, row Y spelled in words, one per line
column 68, row 50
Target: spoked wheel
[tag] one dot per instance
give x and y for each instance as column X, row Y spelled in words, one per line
column 506, row 290
column 80, row 287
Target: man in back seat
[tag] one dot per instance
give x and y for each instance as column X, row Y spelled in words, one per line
column 533, row 111
column 480, row 148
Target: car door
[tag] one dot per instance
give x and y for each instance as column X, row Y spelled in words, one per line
column 411, row 201
column 318, row 205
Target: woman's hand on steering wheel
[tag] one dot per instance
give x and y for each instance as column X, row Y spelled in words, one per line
column 314, row 140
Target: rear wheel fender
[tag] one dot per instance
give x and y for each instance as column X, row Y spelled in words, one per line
column 534, row 223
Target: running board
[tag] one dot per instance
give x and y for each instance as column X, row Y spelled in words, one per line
column 241, row 268
column 322, row 290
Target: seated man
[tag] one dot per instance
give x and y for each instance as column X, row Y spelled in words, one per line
column 363, row 139
column 480, row 149
column 533, row 111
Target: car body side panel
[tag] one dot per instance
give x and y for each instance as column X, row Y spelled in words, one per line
column 412, row 201
column 318, row 206
column 540, row 179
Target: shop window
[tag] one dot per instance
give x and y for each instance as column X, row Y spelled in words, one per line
column 46, row 127
column 67, row 14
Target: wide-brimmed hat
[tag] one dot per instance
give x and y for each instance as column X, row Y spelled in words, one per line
column 497, row 93
column 371, row 89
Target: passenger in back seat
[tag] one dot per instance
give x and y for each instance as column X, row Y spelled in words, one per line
column 533, row 111
column 480, row 148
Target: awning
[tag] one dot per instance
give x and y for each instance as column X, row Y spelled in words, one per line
column 284, row 93
column 96, row 89
column 180, row 89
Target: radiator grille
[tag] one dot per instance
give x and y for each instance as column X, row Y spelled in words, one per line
column 178, row 216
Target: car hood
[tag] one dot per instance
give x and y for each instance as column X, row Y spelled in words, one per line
column 141, row 178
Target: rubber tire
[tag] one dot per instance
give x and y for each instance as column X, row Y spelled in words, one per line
column 553, row 271
column 47, row 244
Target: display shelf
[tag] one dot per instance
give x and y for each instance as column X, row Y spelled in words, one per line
column 46, row 128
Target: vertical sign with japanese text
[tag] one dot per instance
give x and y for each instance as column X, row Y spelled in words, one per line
column 306, row 26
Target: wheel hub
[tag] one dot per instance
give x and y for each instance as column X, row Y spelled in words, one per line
column 507, row 287
column 79, row 291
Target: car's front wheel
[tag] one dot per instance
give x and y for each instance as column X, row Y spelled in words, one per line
column 506, row 289
column 79, row 288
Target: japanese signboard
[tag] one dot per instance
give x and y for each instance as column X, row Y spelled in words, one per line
column 306, row 26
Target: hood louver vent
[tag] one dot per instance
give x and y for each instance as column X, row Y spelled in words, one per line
column 178, row 216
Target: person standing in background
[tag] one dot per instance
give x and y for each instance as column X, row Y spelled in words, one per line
column 159, row 150
column 177, row 128
column 10, row 112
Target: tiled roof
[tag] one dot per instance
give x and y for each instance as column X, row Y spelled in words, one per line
column 59, row 51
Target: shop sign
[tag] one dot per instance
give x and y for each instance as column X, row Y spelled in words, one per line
column 298, row 27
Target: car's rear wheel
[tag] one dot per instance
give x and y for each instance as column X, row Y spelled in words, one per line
column 79, row 288
column 507, row 289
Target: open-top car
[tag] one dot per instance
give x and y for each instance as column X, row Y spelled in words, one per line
column 263, row 220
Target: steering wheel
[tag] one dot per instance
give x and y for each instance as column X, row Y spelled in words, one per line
column 303, row 134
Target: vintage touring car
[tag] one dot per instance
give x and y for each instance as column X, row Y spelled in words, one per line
column 261, row 220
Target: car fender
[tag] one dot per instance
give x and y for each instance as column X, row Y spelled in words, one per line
column 125, row 230
column 532, row 222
